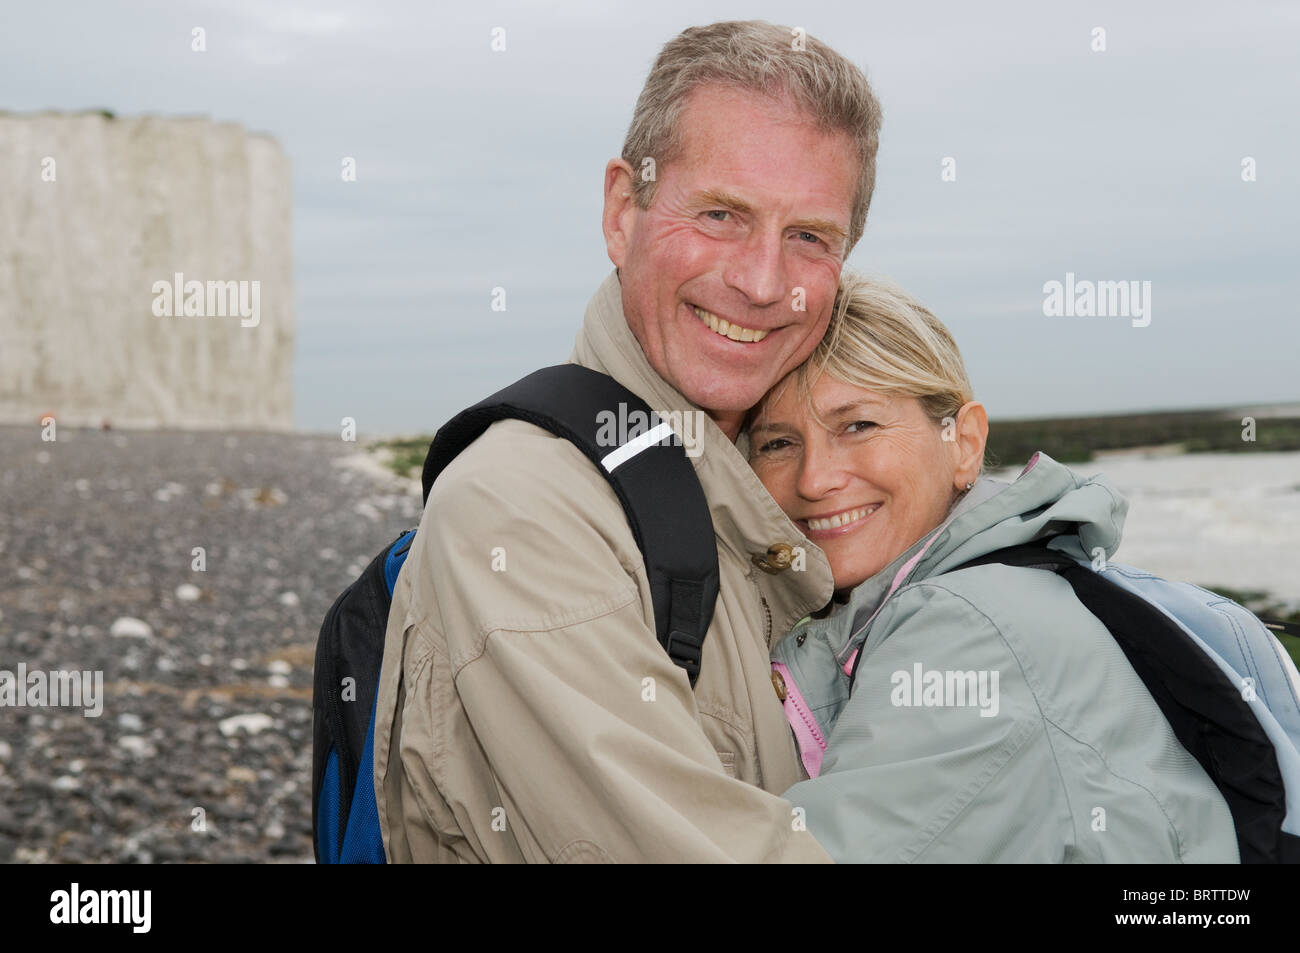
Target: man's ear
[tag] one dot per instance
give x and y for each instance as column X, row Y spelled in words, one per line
column 972, row 434
column 620, row 210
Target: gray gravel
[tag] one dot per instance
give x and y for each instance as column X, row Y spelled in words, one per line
column 97, row 531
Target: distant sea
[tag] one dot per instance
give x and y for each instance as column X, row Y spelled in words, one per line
column 1215, row 519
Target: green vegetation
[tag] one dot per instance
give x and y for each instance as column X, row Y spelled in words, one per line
column 404, row 456
column 1077, row 439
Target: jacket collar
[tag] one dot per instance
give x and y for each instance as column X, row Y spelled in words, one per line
column 745, row 517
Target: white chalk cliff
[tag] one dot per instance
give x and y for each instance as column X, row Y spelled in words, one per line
column 94, row 213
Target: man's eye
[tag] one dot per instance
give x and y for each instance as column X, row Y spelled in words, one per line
column 778, row 444
column 809, row 237
column 717, row 211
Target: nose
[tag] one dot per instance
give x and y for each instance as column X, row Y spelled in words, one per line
column 821, row 473
column 758, row 270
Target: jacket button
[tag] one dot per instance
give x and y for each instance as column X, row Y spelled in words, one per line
column 779, row 684
column 777, row 559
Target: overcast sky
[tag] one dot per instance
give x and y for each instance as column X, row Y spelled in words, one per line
column 479, row 169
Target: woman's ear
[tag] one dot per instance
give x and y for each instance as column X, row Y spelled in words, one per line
column 970, row 434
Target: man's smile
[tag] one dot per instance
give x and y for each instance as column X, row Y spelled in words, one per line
column 727, row 329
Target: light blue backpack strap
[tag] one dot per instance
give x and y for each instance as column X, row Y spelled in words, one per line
column 1240, row 645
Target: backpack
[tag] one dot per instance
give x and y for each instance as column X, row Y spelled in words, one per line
column 1226, row 685
column 669, row 517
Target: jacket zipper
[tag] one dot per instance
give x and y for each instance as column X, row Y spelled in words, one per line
column 805, row 715
column 767, row 613
column 801, row 720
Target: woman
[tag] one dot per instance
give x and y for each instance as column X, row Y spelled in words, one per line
column 991, row 717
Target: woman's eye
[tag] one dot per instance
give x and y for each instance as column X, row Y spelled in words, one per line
column 778, row 444
column 862, row 424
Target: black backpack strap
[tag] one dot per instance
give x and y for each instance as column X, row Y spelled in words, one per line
column 1204, row 707
column 653, row 479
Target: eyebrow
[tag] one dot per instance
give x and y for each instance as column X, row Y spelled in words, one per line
column 763, row 425
column 854, row 406
column 823, row 225
column 712, row 197
column 719, row 197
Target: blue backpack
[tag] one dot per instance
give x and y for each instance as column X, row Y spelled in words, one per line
column 669, row 517
column 1227, row 687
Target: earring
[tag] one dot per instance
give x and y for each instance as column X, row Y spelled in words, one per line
column 969, row 485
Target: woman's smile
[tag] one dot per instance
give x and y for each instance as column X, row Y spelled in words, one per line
column 836, row 524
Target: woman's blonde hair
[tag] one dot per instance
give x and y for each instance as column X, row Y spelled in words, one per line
column 883, row 340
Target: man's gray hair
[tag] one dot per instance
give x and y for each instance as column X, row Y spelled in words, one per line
column 754, row 55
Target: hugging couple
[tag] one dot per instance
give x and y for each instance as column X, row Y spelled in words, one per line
column 511, row 722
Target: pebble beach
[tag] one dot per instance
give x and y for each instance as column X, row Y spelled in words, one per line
column 193, row 571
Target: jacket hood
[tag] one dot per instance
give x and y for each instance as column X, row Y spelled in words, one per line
column 1047, row 501
column 1079, row 515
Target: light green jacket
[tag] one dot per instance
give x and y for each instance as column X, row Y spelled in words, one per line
column 993, row 718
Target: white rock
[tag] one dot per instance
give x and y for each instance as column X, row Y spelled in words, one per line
column 138, row 747
column 274, row 830
column 6, row 752
column 279, row 667
column 77, row 766
column 367, row 510
column 252, row 723
column 164, row 664
column 187, row 592
column 289, row 599
column 238, row 664
column 66, row 783
column 278, row 681
column 130, row 721
column 129, row 628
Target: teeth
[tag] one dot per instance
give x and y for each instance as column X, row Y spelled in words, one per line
column 842, row 519
column 732, row 331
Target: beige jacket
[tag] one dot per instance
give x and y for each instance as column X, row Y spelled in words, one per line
column 513, row 720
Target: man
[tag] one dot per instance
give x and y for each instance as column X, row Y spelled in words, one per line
column 513, row 721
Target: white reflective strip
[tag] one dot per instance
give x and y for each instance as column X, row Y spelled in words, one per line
column 633, row 447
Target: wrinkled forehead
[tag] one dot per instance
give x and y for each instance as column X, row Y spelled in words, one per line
column 750, row 137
